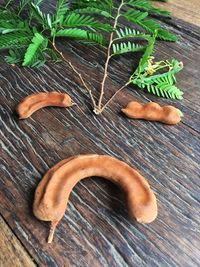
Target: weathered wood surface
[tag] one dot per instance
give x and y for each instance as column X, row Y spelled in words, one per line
column 186, row 10
column 12, row 253
column 96, row 230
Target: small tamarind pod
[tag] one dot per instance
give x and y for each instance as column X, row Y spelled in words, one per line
column 34, row 102
column 53, row 191
column 153, row 112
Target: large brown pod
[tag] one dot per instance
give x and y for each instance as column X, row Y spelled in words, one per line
column 34, row 102
column 153, row 112
column 53, row 191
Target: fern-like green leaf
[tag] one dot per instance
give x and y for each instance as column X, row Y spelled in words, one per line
column 93, row 11
column 62, row 8
column 161, row 84
column 23, row 4
column 123, row 47
column 7, row 15
column 130, row 33
column 148, row 52
column 53, row 55
column 46, row 20
column 104, row 5
column 80, row 34
column 149, row 25
column 38, row 44
column 147, row 6
column 163, row 89
column 8, row 2
column 15, row 56
column 12, row 26
column 166, row 35
column 77, row 20
column 15, row 40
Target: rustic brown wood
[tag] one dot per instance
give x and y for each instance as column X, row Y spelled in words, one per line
column 12, row 253
column 96, row 230
column 186, row 10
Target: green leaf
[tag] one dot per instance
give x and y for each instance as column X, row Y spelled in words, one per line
column 77, row 20
column 149, row 25
column 162, row 84
column 147, row 6
column 148, row 52
column 166, row 35
column 23, row 4
column 62, row 7
column 122, row 48
column 38, row 44
column 7, row 15
column 163, row 89
column 12, row 26
column 130, row 33
column 53, row 55
column 81, row 35
column 44, row 19
column 93, row 11
column 15, row 56
column 104, row 5
column 15, row 40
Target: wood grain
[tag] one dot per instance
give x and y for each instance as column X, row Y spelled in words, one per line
column 188, row 11
column 96, row 230
column 11, row 251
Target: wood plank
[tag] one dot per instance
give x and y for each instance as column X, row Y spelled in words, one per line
column 96, row 230
column 11, row 251
column 188, row 11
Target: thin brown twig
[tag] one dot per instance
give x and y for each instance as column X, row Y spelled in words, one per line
column 113, row 96
column 108, row 58
column 79, row 75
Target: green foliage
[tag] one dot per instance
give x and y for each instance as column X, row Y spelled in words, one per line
column 53, row 55
column 162, row 84
column 15, row 56
column 130, row 33
column 147, row 6
column 122, row 48
column 22, row 4
column 14, row 40
column 81, row 35
column 93, row 11
column 104, row 5
column 140, row 18
column 44, row 19
column 12, row 26
column 148, row 52
column 31, row 42
column 35, row 49
column 78, row 20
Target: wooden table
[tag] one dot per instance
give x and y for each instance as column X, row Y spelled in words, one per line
column 96, row 230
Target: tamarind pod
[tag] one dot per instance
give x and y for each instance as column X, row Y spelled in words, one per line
column 34, row 102
column 153, row 112
column 52, row 193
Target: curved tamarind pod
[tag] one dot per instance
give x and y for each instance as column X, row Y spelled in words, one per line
column 52, row 193
column 153, row 112
column 34, row 102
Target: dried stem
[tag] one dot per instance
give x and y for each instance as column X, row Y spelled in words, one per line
column 52, row 231
column 98, row 111
column 113, row 96
column 79, row 75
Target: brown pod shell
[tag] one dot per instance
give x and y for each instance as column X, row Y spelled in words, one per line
column 153, row 112
column 34, row 102
column 52, row 193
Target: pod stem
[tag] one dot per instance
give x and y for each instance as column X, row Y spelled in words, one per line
column 51, row 231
